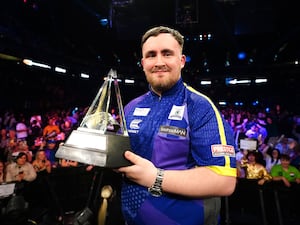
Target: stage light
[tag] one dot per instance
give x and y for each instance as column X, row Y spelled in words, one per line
column 241, row 55
column 84, row 75
column 103, row 22
column 261, row 80
column 188, row 58
column 209, row 36
column 205, row 82
column 227, row 63
column 223, row 103
column 238, row 103
column 231, row 81
column 129, row 81
column 29, row 62
column 255, row 103
column 60, row 70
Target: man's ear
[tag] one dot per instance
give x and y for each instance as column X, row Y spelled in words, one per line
column 183, row 60
column 142, row 62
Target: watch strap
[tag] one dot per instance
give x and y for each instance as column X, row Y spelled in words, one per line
column 156, row 188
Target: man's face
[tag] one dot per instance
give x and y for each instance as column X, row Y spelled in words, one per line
column 22, row 160
column 285, row 163
column 162, row 62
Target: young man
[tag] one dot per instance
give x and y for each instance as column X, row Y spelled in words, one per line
column 285, row 172
column 182, row 150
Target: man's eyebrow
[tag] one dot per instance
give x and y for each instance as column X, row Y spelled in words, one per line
column 166, row 50
column 150, row 52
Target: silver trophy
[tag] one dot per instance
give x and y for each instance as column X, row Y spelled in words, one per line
column 100, row 139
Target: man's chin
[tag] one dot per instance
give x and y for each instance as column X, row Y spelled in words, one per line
column 160, row 88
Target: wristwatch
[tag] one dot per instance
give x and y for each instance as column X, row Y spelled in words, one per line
column 156, row 189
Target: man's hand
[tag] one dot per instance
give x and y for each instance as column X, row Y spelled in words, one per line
column 142, row 171
column 286, row 182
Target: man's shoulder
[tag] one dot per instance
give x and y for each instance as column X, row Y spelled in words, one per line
column 135, row 101
column 199, row 101
column 10, row 165
column 293, row 168
column 276, row 167
column 196, row 96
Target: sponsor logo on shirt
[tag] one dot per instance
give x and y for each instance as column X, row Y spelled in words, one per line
column 222, row 150
column 141, row 111
column 135, row 124
column 176, row 113
column 173, row 130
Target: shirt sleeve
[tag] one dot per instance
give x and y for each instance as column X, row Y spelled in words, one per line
column 30, row 173
column 212, row 139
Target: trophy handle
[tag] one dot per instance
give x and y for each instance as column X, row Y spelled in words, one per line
column 121, row 109
column 99, row 96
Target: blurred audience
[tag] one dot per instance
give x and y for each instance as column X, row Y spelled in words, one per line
column 50, row 150
column 285, row 172
column 2, row 172
column 67, row 163
column 22, row 130
column 272, row 159
column 41, row 164
column 51, row 130
column 3, row 138
column 253, row 169
column 20, row 170
column 27, row 159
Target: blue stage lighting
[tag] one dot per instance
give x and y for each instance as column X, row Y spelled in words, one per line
column 241, row 55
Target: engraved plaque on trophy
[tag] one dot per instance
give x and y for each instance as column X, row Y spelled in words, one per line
column 100, row 139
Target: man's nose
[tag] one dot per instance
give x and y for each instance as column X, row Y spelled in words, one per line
column 159, row 60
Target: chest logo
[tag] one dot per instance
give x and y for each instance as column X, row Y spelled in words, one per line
column 173, row 130
column 135, row 124
column 176, row 113
column 141, row 111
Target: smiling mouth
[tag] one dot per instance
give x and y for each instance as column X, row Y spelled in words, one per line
column 159, row 71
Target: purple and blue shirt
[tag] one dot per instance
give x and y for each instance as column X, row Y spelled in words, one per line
column 179, row 130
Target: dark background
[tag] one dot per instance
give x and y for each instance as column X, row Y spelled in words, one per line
column 71, row 34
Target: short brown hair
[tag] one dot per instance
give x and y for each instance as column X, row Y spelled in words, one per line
column 285, row 157
column 155, row 31
column 21, row 154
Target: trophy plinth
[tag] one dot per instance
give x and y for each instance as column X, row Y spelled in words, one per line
column 100, row 140
column 90, row 147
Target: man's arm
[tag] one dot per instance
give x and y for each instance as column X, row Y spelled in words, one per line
column 196, row 182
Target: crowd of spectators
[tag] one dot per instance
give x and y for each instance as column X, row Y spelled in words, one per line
column 275, row 132
column 269, row 135
column 27, row 156
column 29, row 142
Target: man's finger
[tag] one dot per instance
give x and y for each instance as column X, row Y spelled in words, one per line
column 131, row 157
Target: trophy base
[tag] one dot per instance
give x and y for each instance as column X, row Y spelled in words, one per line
column 93, row 148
